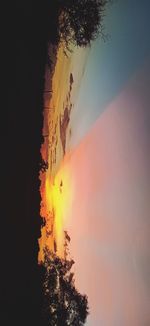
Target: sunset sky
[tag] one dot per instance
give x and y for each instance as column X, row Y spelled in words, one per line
column 107, row 163
column 75, row 157
column 109, row 225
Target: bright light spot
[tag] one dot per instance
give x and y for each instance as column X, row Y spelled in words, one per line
column 59, row 194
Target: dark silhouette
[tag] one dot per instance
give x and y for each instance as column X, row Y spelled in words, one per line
column 64, row 305
column 80, row 21
column 28, row 27
column 43, row 166
column 63, row 124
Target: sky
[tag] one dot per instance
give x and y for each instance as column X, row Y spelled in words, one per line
column 109, row 225
column 110, row 64
column 107, row 159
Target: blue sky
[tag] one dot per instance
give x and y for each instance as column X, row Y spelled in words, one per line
column 112, row 63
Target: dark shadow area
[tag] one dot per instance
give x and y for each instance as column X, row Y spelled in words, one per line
column 27, row 25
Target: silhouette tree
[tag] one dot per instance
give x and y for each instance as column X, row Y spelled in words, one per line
column 43, row 165
column 64, row 305
column 80, row 21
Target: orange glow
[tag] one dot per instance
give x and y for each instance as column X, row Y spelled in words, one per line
column 56, row 188
column 57, row 200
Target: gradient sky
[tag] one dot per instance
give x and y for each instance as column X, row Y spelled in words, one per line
column 108, row 166
column 110, row 64
column 109, row 224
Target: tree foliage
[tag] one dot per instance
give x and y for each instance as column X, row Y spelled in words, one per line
column 80, row 21
column 64, row 305
column 43, row 166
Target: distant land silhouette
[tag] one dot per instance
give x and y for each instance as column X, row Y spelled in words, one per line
column 28, row 28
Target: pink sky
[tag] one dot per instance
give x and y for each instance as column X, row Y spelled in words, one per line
column 109, row 226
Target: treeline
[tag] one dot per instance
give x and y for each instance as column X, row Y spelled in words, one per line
column 63, row 304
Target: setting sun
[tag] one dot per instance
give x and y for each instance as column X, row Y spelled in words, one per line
column 58, row 195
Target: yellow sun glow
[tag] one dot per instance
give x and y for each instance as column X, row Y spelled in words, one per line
column 56, row 183
column 58, row 201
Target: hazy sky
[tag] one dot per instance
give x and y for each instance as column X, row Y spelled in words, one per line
column 108, row 171
column 109, row 223
column 111, row 64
